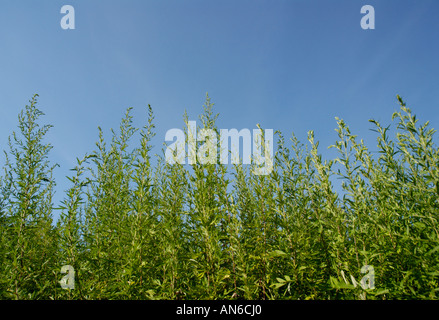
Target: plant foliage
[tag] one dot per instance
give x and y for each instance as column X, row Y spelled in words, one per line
column 134, row 230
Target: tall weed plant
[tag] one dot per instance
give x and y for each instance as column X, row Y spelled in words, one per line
column 133, row 230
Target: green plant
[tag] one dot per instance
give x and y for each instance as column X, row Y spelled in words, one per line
column 136, row 227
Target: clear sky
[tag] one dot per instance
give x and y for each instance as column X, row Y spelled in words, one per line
column 290, row 65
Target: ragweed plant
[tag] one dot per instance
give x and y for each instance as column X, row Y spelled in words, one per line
column 134, row 226
column 27, row 229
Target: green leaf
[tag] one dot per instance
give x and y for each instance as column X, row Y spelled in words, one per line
column 276, row 253
column 419, row 225
column 433, row 250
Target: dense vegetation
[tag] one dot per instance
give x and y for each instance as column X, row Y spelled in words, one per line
column 133, row 230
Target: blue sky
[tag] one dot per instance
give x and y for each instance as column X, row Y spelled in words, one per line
column 290, row 65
